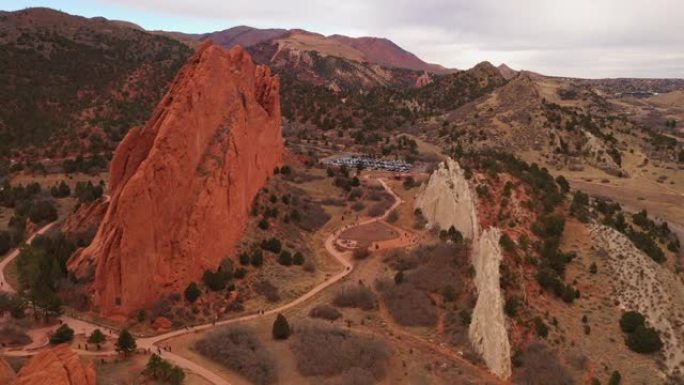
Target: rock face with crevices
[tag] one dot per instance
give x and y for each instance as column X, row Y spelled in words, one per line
column 182, row 185
column 56, row 366
column 446, row 199
column 487, row 332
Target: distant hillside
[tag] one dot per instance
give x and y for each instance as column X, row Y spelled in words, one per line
column 242, row 35
column 71, row 83
column 373, row 50
column 622, row 85
column 385, row 108
column 387, row 53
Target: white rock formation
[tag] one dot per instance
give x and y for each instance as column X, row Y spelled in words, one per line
column 446, row 200
column 642, row 285
column 487, row 332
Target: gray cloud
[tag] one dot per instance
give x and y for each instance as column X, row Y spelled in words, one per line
column 586, row 38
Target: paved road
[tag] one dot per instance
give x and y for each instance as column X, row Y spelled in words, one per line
column 80, row 326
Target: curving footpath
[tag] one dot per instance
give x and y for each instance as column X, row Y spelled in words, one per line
column 80, row 326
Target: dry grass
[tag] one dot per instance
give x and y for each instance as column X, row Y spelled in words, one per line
column 326, row 312
column 238, row 349
column 355, row 295
column 407, row 305
column 372, row 232
column 542, row 367
column 322, row 350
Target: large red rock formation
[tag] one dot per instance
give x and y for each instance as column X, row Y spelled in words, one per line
column 181, row 187
column 56, row 366
column 84, row 222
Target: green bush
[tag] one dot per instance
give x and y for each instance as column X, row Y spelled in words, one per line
column 631, row 320
column 161, row 370
column 192, row 292
column 285, row 258
column 214, row 280
column 511, row 306
column 615, row 378
column 244, row 259
column 272, row 244
column 298, row 259
column 541, row 328
column 63, row 334
column 125, row 343
column 644, row 340
column 281, row 328
column 97, row 338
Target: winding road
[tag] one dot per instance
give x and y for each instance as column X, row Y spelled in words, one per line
column 80, row 326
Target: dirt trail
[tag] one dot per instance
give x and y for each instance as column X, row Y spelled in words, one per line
column 4, row 285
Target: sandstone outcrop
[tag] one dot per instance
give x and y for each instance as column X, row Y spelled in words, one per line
column 162, row 323
column 487, row 332
column 84, row 222
column 446, row 199
column 56, row 366
column 182, row 185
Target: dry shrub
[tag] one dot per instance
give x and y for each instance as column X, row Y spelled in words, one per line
column 238, row 349
column 362, row 251
column 12, row 334
column 455, row 330
column 74, row 294
column 542, row 367
column 266, row 289
column 313, row 216
column 333, row 202
column 438, row 266
column 379, row 208
column 326, row 312
column 408, row 305
column 322, row 350
column 378, row 193
column 163, row 308
column 358, row 296
column 353, row 376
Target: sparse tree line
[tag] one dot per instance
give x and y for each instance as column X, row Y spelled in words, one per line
column 644, row 232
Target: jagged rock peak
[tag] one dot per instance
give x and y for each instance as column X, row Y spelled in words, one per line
column 182, row 185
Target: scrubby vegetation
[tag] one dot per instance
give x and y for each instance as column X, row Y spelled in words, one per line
column 326, row 312
column 541, row 366
column 408, row 305
column 355, row 295
column 42, row 270
column 322, row 350
column 48, row 93
column 63, row 334
column 640, row 338
column 161, row 370
column 281, row 328
column 648, row 236
column 239, row 350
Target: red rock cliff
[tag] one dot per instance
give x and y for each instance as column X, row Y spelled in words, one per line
column 56, row 366
column 181, row 187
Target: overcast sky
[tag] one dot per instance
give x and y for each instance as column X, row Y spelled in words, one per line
column 582, row 38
